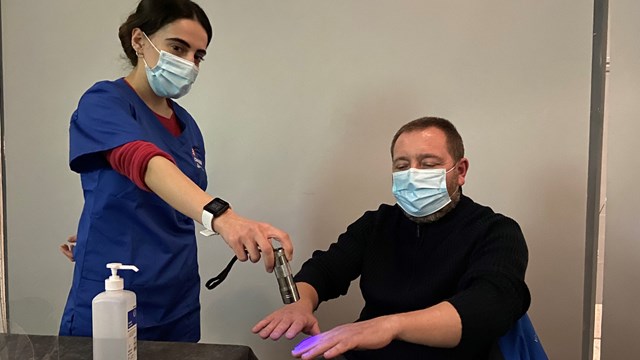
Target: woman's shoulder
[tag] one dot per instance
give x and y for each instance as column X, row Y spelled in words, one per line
column 107, row 92
column 107, row 86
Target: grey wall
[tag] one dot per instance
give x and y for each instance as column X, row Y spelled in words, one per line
column 620, row 320
column 298, row 101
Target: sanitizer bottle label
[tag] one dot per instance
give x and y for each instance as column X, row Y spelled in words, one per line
column 132, row 335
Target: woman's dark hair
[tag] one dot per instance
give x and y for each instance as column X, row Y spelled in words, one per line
column 151, row 15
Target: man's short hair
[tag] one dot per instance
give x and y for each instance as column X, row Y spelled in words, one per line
column 454, row 140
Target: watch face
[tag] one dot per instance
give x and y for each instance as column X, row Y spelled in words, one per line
column 217, row 207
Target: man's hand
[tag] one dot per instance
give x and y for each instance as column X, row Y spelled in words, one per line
column 371, row 334
column 289, row 321
column 67, row 248
column 437, row 326
column 246, row 236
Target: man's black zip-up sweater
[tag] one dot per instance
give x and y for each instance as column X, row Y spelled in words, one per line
column 472, row 257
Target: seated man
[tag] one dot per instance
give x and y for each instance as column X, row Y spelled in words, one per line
column 442, row 277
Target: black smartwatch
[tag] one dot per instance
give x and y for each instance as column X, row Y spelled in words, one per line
column 212, row 210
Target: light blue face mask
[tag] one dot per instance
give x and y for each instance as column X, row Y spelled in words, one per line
column 421, row 192
column 172, row 76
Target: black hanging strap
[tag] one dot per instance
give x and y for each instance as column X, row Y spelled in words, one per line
column 215, row 281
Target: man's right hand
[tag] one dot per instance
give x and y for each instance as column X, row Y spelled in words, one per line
column 289, row 321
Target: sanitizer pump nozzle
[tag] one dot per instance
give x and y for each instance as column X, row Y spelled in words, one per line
column 115, row 282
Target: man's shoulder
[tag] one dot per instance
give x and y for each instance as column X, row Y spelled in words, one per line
column 483, row 213
column 384, row 210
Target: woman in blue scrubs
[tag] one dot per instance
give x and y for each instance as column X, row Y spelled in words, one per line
column 141, row 158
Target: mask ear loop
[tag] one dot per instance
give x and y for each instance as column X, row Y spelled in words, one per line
column 150, row 42
column 459, row 187
column 215, row 281
column 453, row 167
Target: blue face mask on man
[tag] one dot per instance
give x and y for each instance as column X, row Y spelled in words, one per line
column 421, row 192
column 172, row 76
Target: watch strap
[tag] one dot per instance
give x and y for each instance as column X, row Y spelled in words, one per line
column 207, row 219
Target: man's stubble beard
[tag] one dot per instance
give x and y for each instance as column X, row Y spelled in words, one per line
column 455, row 199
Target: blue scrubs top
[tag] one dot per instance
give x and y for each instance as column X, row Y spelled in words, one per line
column 122, row 223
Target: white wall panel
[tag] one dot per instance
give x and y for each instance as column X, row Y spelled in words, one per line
column 620, row 320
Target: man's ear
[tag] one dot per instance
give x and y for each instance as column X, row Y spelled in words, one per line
column 462, row 167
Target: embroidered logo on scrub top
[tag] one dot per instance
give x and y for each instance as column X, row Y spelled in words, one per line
column 197, row 157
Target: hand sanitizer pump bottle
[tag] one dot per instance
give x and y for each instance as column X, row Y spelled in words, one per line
column 114, row 319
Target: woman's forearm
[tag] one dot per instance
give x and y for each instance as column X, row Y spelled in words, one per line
column 166, row 180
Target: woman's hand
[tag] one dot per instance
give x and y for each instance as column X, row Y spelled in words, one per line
column 250, row 237
column 67, row 248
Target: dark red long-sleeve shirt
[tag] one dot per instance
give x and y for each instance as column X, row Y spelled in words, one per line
column 131, row 159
